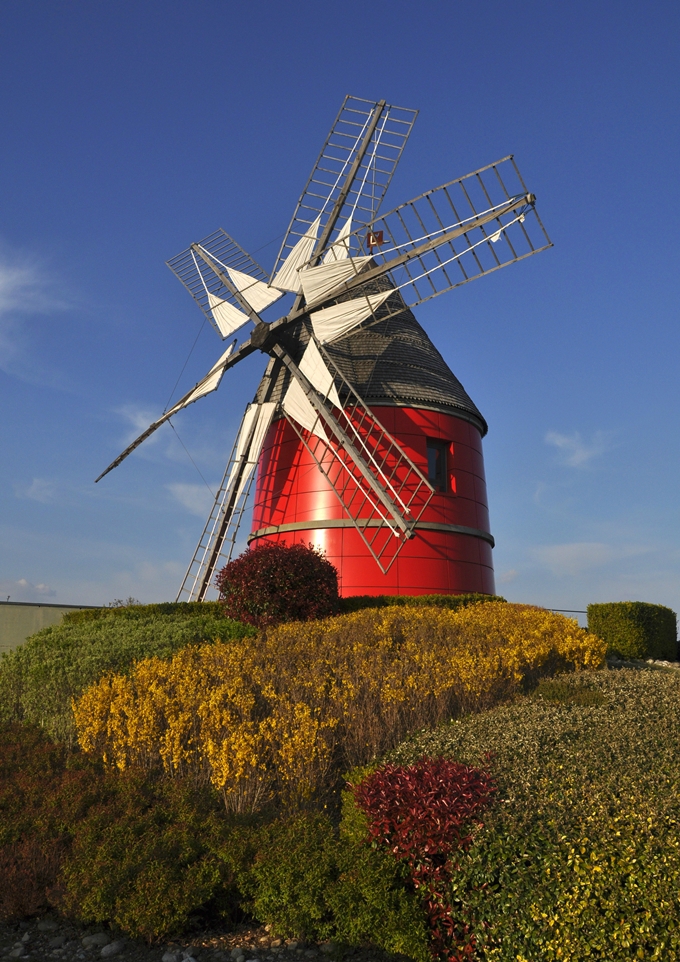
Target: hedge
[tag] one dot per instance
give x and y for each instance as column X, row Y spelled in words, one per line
column 360, row 602
column 580, row 858
column 181, row 609
column 635, row 629
column 39, row 679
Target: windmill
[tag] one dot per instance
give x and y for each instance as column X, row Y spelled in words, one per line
column 364, row 441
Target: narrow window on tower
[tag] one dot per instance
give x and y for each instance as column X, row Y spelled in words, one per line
column 436, row 464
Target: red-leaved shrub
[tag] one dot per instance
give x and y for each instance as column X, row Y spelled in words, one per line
column 29, row 871
column 43, row 796
column 424, row 813
column 273, row 583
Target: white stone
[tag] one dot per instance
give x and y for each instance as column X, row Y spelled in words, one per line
column 172, row 955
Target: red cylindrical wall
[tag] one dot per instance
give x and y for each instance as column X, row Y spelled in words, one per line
column 292, row 492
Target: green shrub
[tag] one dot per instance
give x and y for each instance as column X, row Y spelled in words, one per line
column 144, row 860
column 133, row 612
column 359, row 602
column 106, row 847
column 581, row 857
column 307, row 879
column 39, row 679
column 635, row 629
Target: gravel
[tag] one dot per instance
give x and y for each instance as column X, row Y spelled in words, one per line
column 53, row 939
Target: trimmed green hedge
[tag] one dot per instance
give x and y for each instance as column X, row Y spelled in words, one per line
column 178, row 609
column 39, row 679
column 635, row 629
column 580, row 856
column 359, row 602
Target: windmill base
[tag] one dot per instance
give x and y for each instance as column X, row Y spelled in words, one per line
column 451, row 552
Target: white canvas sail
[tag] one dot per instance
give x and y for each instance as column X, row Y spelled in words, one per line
column 227, row 317
column 332, row 322
column 340, row 246
column 210, row 383
column 288, row 277
column 264, row 419
column 315, row 370
column 258, row 295
column 297, row 405
column 321, row 281
column 244, row 437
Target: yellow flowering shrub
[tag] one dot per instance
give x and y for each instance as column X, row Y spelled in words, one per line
column 282, row 715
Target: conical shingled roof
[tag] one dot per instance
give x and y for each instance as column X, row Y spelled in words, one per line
column 394, row 363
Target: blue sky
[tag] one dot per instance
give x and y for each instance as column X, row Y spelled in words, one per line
column 131, row 129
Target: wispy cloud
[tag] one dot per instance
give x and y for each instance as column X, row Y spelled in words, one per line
column 40, row 489
column 577, row 557
column 27, row 287
column 574, row 451
column 194, row 497
column 23, row 590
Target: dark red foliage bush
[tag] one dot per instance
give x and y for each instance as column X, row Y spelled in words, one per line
column 44, row 793
column 273, row 583
column 29, row 871
column 424, row 814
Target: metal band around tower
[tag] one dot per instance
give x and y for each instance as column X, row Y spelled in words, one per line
column 372, row 523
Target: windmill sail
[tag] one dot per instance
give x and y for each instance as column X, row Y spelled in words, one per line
column 227, row 317
column 339, row 249
column 380, row 488
column 319, row 283
column 333, row 322
column 352, row 172
column 299, row 409
column 258, row 294
column 451, row 235
column 288, row 277
column 225, row 311
column 216, row 544
column 316, row 371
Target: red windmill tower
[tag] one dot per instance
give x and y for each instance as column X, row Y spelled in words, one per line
column 364, row 441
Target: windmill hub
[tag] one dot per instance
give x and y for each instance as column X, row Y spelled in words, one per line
column 261, row 337
column 361, row 438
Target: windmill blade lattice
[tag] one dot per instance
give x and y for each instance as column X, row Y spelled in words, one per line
column 458, row 232
column 446, row 237
column 352, row 172
column 217, row 291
